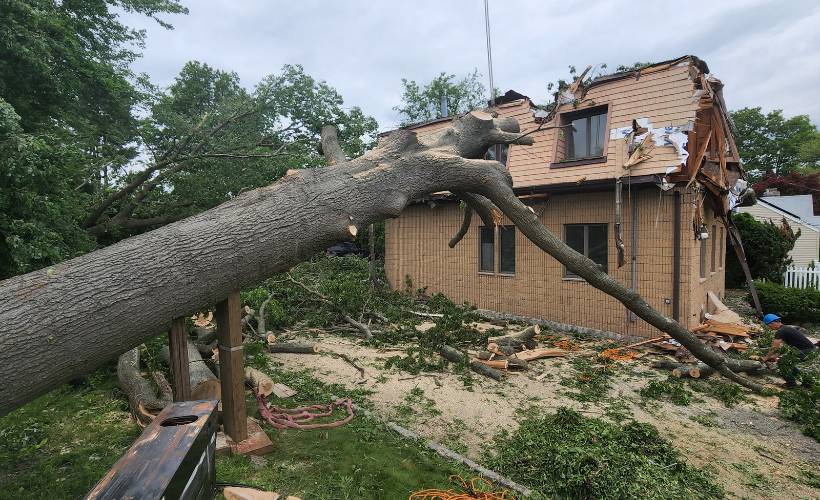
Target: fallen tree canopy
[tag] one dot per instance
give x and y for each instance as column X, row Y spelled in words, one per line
column 111, row 300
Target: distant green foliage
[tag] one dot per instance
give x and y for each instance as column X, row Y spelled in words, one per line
column 567, row 455
column 420, row 103
column 672, row 389
column 793, row 304
column 773, row 144
column 767, row 247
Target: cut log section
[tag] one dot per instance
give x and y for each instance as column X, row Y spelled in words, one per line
column 686, row 371
column 504, row 364
column 513, row 362
column 454, row 355
column 204, row 384
column 525, row 339
column 294, row 348
column 532, row 354
column 259, row 381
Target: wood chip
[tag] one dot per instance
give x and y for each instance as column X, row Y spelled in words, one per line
column 283, row 391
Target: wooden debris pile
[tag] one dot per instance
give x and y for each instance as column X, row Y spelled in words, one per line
column 726, row 336
column 505, row 353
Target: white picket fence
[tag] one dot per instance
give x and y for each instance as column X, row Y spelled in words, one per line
column 802, row 277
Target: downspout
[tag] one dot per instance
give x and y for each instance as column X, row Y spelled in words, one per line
column 676, row 259
column 634, row 245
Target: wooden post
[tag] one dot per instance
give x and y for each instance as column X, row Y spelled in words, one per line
column 737, row 244
column 231, row 369
column 178, row 356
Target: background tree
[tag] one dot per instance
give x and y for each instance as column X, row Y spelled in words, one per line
column 771, row 144
column 66, row 122
column 791, row 184
column 767, row 248
column 423, row 103
column 207, row 138
column 91, row 153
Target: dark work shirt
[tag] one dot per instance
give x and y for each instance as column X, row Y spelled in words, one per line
column 792, row 336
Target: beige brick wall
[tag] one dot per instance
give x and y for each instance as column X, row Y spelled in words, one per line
column 416, row 248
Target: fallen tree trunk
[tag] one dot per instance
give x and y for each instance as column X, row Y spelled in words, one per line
column 142, row 396
column 455, row 356
column 115, row 298
column 204, row 384
column 703, row 370
column 294, row 348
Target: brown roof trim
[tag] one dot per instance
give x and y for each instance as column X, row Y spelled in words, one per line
column 596, row 185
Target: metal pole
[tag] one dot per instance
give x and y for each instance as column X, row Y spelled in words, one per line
column 489, row 51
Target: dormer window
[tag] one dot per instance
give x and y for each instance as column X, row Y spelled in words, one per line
column 585, row 134
column 581, row 137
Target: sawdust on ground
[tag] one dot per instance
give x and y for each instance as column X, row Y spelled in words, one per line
column 744, row 443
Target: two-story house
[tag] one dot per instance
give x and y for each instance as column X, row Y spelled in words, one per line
column 632, row 169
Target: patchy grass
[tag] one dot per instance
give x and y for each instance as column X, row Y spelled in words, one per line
column 567, row 455
column 706, row 419
column 671, row 389
column 729, row 393
column 591, row 380
column 61, row 444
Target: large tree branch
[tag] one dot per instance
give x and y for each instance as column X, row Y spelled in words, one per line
column 115, row 298
column 330, row 146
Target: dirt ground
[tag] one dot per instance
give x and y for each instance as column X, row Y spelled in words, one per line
column 755, row 453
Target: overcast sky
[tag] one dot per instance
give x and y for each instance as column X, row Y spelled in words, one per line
column 767, row 53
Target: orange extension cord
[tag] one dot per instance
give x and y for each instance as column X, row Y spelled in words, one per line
column 476, row 489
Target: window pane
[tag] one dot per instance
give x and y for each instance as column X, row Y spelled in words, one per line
column 597, row 128
column 702, row 258
column 574, row 236
column 713, row 237
column 578, row 147
column 597, row 244
column 721, row 250
column 498, row 152
column 507, row 237
column 487, row 249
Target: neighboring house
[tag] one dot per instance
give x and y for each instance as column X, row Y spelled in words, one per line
column 798, row 212
column 673, row 188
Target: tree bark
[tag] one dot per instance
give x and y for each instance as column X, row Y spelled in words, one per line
column 204, row 384
column 455, row 356
column 293, row 348
column 115, row 298
column 141, row 394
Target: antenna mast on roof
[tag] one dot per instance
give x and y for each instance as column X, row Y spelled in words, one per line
column 489, row 50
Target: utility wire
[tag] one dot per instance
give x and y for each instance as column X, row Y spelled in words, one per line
column 489, row 50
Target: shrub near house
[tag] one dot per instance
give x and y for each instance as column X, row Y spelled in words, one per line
column 767, row 247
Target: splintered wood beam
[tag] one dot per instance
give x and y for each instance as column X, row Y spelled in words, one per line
column 720, row 137
column 703, row 145
column 178, row 358
column 231, row 369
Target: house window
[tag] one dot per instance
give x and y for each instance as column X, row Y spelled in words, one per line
column 586, row 134
column 714, row 248
column 721, row 249
column 498, row 152
column 590, row 240
column 506, row 254
column 487, row 250
column 702, row 258
column 505, row 237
